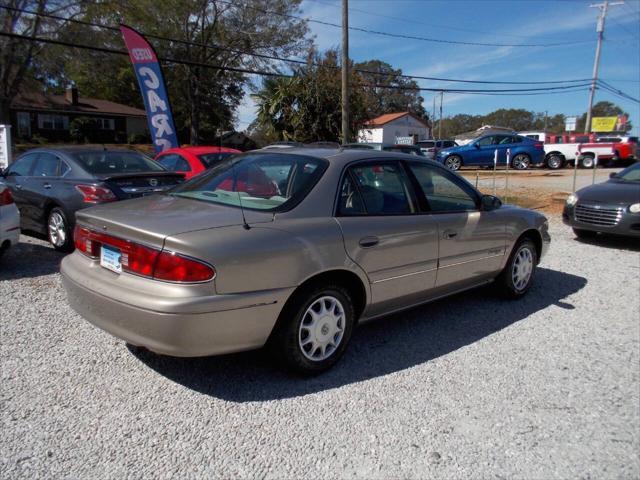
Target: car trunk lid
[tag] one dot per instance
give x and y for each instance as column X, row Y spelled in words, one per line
column 133, row 185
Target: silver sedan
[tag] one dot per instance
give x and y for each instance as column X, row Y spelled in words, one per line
column 291, row 249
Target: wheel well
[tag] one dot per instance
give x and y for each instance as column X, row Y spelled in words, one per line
column 533, row 235
column 346, row 279
column 554, row 153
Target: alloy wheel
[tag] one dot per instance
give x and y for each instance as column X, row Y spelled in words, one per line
column 57, row 229
column 521, row 162
column 322, row 328
column 522, row 268
column 453, row 163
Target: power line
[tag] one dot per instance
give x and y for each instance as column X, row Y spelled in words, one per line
column 618, row 92
column 406, row 37
column 291, row 60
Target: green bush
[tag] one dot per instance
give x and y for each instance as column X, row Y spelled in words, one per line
column 83, row 130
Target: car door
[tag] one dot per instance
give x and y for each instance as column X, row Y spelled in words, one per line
column 18, row 178
column 482, row 151
column 45, row 185
column 471, row 242
column 385, row 236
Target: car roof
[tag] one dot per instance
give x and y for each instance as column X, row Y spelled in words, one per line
column 81, row 149
column 202, row 149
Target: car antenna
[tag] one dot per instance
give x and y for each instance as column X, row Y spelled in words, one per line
column 245, row 225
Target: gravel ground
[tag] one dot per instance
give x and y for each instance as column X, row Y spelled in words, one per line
column 546, row 387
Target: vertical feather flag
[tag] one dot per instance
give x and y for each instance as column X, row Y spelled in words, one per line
column 156, row 101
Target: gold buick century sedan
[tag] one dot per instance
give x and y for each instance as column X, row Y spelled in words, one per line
column 291, row 248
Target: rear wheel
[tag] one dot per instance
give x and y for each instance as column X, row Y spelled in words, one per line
column 517, row 276
column 521, row 161
column 58, row 231
column 453, row 162
column 588, row 161
column 315, row 329
column 554, row 161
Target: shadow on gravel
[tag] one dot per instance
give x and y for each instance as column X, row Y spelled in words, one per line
column 384, row 346
column 27, row 260
column 612, row 241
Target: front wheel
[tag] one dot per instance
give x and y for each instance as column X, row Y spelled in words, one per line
column 521, row 161
column 58, row 231
column 315, row 329
column 453, row 162
column 517, row 276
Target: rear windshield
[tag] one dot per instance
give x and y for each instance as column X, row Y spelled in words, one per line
column 259, row 181
column 99, row 163
column 210, row 159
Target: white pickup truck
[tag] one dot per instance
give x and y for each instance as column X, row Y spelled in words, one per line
column 559, row 154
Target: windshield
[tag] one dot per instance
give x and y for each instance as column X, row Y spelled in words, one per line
column 629, row 174
column 260, row 181
column 210, row 159
column 105, row 162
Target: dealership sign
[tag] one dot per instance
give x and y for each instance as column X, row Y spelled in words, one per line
column 154, row 93
column 604, row 124
column 570, row 124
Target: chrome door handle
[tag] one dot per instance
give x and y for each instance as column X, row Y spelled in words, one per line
column 18, row 186
column 368, row 242
column 449, row 234
column 47, row 185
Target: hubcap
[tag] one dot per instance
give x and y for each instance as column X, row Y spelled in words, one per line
column 453, row 163
column 57, row 230
column 587, row 162
column 322, row 328
column 520, row 162
column 554, row 162
column 522, row 268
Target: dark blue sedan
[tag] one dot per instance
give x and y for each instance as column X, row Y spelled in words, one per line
column 481, row 151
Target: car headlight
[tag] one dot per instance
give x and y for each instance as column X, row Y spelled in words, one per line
column 572, row 200
column 635, row 208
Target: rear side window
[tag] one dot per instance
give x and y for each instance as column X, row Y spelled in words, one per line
column 383, row 188
column 22, row 166
column 210, row 159
column 350, row 199
column 174, row 162
column 46, row 166
column 517, row 139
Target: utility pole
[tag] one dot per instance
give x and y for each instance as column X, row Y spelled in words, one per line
column 345, row 72
column 596, row 64
column 546, row 114
column 440, row 122
column 433, row 117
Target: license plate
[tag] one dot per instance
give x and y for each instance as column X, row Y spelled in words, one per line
column 110, row 258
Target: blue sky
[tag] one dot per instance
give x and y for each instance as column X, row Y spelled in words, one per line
column 506, row 21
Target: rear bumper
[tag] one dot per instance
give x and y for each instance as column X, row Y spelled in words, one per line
column 177, row 326
column 9, row 225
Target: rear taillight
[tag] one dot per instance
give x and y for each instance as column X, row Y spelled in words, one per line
column 6, row 198
column 143, row 260
column 95, row 194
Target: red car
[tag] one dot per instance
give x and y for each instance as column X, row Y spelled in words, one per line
column 193, row 160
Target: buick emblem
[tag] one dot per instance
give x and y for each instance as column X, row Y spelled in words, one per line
column 153, row 182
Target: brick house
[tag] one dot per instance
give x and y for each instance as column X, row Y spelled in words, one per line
column 49, row 116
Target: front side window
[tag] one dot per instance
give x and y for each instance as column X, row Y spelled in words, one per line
column 105, row 162
column 442, row 193
column 260, row 181
column 22, row 167
column 46, row 166
column 383, row 188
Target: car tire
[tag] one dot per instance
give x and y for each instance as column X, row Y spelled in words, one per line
column 555, row 161
column 588, row 161
column 309, row 344
column 58, row 230
column 521, row 161
column 453, row 162
column 580, row 233
column 517, row 276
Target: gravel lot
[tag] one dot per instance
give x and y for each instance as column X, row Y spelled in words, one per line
column 547, row 387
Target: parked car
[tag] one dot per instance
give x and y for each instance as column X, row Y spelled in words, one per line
column 525, row 152
column 611, row 207
column 387, row 147
column 624, row 147
column 191, row 161
column 430, row 148
column 50, row 184
column 536, row 135
column 234, row 271
column 558, row 155
column 9, row 220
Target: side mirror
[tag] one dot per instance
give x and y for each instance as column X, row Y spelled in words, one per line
column 489, row 202
column 477, row 145
column 613, row 175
